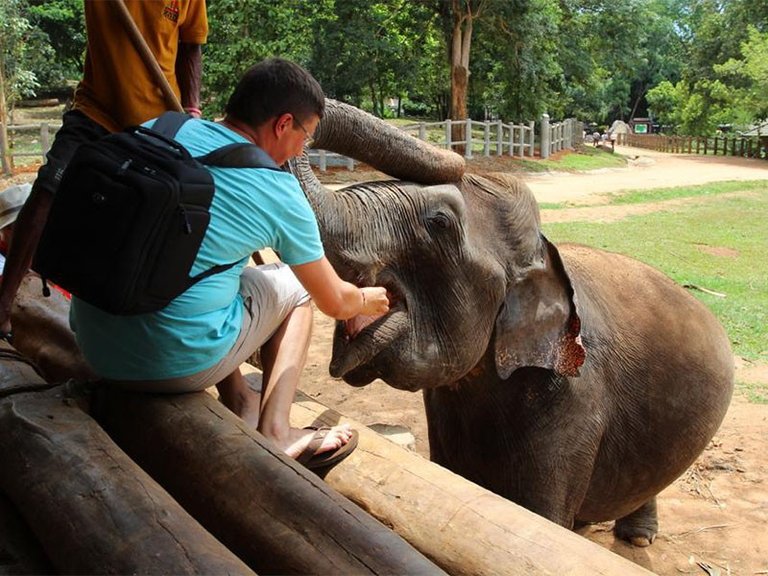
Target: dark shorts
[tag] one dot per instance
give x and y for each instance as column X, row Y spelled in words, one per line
column 76, row 129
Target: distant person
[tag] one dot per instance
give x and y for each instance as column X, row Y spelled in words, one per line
column 203, row 336
column 116, row 91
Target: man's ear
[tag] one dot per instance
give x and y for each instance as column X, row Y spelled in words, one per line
column 283, row 123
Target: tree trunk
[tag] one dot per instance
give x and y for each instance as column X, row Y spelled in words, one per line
column 461, row 41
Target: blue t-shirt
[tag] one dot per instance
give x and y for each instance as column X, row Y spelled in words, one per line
column 252, row 209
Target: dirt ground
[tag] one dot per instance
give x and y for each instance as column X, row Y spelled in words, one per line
column 714, row 519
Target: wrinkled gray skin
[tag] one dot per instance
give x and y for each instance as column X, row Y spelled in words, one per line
column 575, row 382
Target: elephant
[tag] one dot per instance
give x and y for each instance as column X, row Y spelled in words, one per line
column 574, row 381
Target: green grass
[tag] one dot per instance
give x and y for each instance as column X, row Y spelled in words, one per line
column 719, row 245
column 660, row 194
column 586, row 158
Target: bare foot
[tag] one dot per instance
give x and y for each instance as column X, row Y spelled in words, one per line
column 299, row 438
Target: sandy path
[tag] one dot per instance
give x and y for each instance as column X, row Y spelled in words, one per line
column 647, row 169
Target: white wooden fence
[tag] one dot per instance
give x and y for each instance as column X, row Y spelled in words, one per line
column 559, row 136
column 47, row 130
column 496, row 136
column 481, row 138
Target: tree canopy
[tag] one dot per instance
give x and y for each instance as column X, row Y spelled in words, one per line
column 692, row 65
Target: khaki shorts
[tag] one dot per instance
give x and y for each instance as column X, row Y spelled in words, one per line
column 270, row 293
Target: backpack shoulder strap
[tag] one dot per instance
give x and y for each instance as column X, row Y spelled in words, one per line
column 168, row 123
column 239, row 155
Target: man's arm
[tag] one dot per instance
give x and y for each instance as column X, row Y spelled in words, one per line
column 335, row 297
column 189, row 73
column 26, row 236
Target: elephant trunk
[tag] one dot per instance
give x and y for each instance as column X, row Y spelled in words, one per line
column 349, row 131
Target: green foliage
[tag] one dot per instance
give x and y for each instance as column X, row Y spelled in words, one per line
column 63, row 23
column 383, row 49
column 718, row 245
column 692, row 64
column 241, row 33
column 42, row 45
column 15, row 30
column 750, row 73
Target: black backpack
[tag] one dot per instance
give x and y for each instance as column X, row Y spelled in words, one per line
column 130, row 214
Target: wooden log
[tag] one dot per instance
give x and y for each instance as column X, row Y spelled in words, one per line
column 20, row 552
column 273, row 513
column 463, row 528
column 91, row 508
column 41, row 332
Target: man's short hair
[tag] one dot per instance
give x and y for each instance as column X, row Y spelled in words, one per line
column 273, row 87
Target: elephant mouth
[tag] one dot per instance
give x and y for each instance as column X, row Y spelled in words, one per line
column 359, row 340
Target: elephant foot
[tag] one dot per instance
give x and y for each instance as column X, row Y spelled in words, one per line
column 640, row 527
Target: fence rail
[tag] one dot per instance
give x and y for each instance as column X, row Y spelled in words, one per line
column 743, row 146
column 481, row 138
column 46, row 130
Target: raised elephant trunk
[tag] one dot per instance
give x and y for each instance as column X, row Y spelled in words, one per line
column 349, row 131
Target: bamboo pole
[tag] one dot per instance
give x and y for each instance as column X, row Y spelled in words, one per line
column 146, row 55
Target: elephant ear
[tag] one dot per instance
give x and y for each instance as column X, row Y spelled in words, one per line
column 538, row 324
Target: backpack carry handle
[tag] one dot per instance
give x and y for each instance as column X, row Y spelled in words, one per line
column 169, row 142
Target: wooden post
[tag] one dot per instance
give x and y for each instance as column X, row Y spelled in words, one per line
column 323, row 160
column 486, row 139
column 5, row 158
column 462, row 527
column 468, row 139
column 44, row 139
column 532, row 132
column 448, row 143
column 545, row 136
column 272, row 512
column 41, row 333
column 499, row 138
column 92, row 509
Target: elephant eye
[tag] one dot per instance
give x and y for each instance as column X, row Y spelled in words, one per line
column 439, row 221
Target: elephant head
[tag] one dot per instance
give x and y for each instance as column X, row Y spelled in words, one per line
column 462, row 257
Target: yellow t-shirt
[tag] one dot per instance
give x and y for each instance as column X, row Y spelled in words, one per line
column 117, row 89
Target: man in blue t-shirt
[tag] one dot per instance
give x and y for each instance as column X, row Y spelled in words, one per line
column 202, row 337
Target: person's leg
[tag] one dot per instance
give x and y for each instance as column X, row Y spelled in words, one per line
column 240, row 398
column 283, row 357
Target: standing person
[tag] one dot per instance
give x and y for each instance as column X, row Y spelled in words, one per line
column 202, row 337
column 116, row 91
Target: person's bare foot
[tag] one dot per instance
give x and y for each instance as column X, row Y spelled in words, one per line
column 298, row 439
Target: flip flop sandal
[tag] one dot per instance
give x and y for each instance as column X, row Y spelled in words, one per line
column 309, row 457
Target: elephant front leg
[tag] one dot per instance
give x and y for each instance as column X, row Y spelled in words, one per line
column 639, row 527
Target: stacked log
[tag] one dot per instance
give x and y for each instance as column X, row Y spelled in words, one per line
column 92, row 509
column 463, row 528
column 273, row 513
